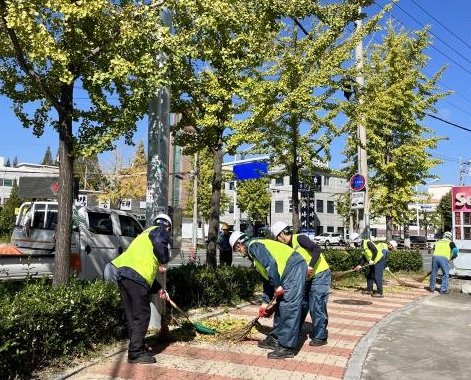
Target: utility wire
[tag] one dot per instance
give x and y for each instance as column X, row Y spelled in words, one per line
column 438, row 38
column 448, row 122
column 431, row 46
column 444, row 26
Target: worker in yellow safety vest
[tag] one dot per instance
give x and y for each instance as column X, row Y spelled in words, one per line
column 319, row 278
column 284, row 272
column 137, row 268
column 444, row 251
column 376, row 257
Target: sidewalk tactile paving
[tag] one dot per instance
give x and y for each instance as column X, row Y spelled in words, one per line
column 245, row 360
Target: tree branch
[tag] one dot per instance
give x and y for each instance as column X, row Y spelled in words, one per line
column 24, row 65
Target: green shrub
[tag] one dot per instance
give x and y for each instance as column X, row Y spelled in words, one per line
column 194, row 285
column 41, row 323
column 405, row 260
column 340, row 260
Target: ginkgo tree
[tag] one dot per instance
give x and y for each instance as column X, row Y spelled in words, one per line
column 86, row 69
column 392, row 105
column 218, row 43
column 293, row 100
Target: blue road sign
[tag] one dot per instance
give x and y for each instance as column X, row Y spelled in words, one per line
column 357, row 182
column 250, row 170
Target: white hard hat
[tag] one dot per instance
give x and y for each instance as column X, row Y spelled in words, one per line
column 164, row 219
column 393, row 243
column 277, row 228
column 355, row 237
column 448, row 235
column 235, row 237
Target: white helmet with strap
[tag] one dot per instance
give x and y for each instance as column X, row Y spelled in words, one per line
column 278, row 228
column 163, row 219
column 237, row 236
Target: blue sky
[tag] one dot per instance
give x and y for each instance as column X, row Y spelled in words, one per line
column 450, row 23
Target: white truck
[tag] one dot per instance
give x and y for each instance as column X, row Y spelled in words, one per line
column 98, row 236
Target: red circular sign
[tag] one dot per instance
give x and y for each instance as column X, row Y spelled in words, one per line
column 357, row 182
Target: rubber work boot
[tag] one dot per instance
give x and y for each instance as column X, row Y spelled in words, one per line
column 281, row 353
column 144, row 358
column 269, row 343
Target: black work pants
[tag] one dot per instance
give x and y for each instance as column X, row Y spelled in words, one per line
column 136, row 304
column 225, row 257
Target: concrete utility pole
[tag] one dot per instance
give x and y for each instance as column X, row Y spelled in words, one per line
column 361, row 134
column 157, row 171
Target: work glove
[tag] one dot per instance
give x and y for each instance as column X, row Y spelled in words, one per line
column 357, row 268
column 279, row 291
column 262, row 311
column 454, row 257
column 371, row 262
column 163, row 294
column 387, row 269
column 309, row 272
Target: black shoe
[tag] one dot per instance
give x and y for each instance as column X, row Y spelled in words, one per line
column 445, row 292
column 281, row 353
column 142, row 359
column 317, row 343
column 377, row 295
column 366, row 292
column 269, row 343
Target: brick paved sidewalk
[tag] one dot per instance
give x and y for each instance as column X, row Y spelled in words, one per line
column 349, row 320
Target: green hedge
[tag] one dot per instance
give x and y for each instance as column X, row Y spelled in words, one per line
column 340, row 260
column 194, row 285
column 41, row 322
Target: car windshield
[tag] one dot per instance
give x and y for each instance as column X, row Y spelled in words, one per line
column 325, row 234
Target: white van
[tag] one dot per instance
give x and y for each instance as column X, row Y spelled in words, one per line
column 98, row 236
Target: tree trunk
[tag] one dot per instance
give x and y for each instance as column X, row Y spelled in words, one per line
column 389, row 227
column 215, row 209
column 65, row 194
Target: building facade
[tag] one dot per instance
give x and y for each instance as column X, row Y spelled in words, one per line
column 10, row 175
column 320, row 204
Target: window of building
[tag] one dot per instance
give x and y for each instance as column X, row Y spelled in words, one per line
column 330, row 208
column 8, row 182
column 330, row 229
column 319, row 205
column 279, row 181
column 326, row 180
column 466, row 217
column 290, row 205
column 466, row 233
column 341, row 230
column 231, row 185
column 279, row 207
column 231, row 208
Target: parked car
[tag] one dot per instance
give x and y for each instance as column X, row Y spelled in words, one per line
column 98, row 236
column 329, row 238
column 417, row 241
